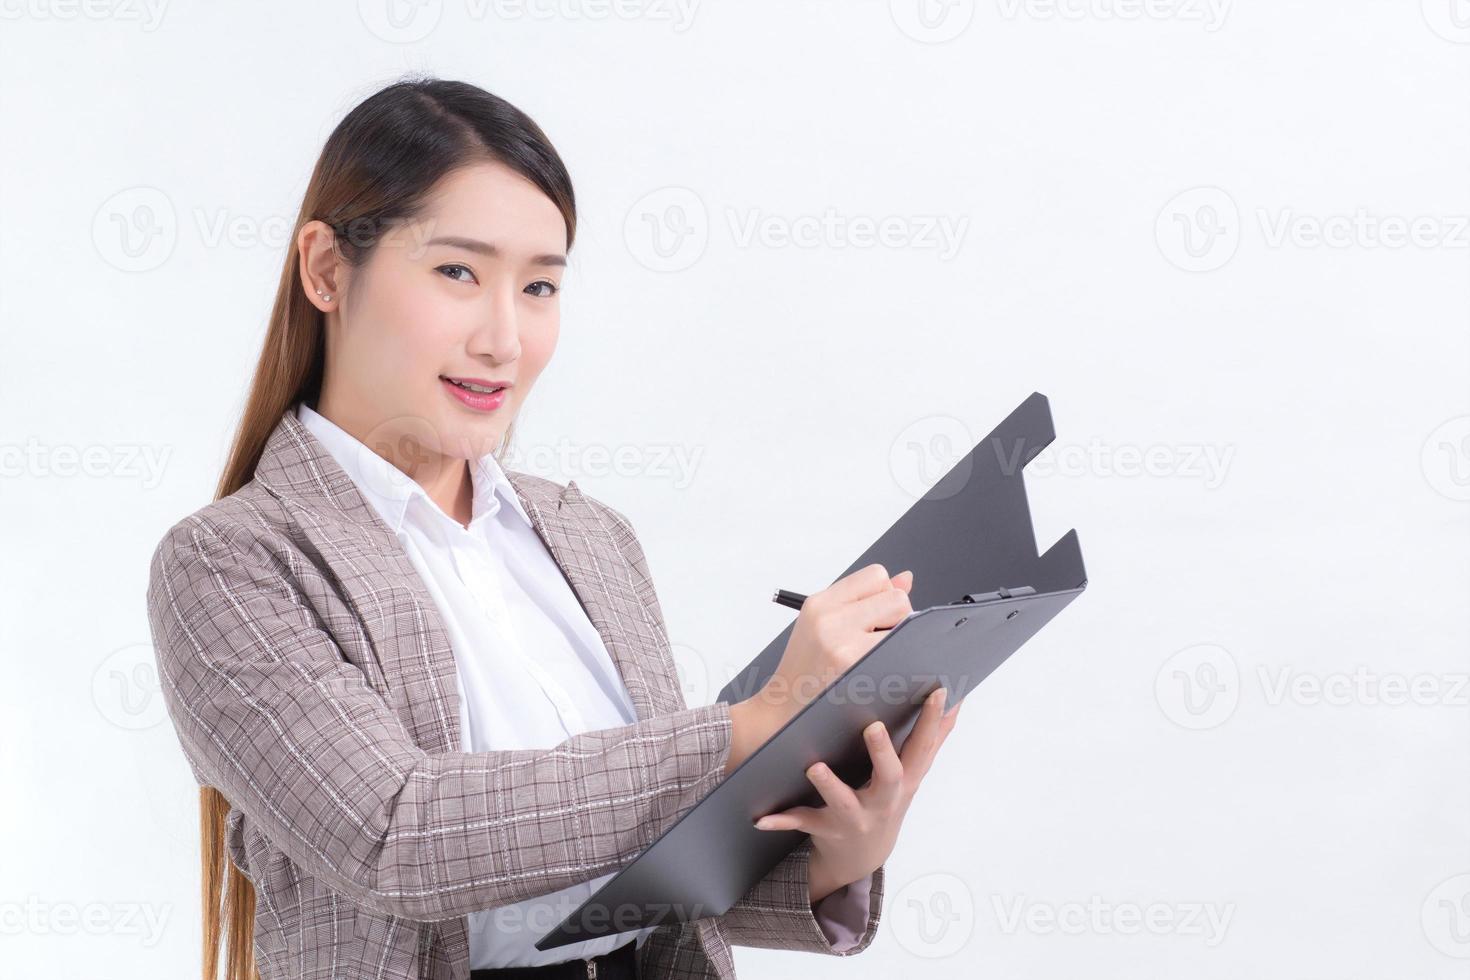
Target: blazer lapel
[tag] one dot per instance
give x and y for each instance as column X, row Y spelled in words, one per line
column 603, row 581
column 407, row 656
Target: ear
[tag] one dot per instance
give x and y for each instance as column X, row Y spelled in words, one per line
column 320, row 268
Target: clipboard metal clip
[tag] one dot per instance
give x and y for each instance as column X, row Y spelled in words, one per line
column 1001, row 593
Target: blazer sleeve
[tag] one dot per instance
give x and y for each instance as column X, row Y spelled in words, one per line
column 776, row 913
column 270, row 713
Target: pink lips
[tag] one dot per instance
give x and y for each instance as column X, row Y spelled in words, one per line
column 479, row 401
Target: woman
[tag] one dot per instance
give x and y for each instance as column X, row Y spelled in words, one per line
column 430, row 703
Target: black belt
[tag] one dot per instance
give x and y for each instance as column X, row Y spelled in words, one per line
column 619, row 964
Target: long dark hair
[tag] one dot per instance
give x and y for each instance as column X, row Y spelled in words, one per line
column 376, row 168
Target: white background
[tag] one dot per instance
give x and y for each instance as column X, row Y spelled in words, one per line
column 1135, row 190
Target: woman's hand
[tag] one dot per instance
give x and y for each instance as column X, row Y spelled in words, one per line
column 855, row 832
column 834, row 629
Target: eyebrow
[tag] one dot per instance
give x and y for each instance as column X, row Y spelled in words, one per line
column 485, row 248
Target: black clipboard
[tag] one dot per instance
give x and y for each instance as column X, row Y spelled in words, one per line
column 980, row 591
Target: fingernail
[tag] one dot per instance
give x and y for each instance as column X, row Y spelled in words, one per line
column 764, row 823
column 873, row 730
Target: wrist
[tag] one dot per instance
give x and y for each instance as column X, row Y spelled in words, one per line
column 751, row 724
column 819, row 883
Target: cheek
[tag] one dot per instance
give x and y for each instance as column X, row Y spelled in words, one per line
column 537, row 346
column 410, row 323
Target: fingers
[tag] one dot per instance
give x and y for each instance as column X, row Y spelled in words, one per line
column 952, row 713
column 923, row 742
column 887, row 767
column 880, row 611
column 904, row 580
column 803, row 818
column 860, row 584
column 835, row 793
column 839, row 798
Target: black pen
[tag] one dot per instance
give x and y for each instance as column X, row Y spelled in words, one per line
column 790, row 599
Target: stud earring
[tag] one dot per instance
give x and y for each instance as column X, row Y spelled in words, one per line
column 324, row 296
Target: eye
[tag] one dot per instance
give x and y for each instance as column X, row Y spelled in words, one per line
column 462, row 268
column 552, row 288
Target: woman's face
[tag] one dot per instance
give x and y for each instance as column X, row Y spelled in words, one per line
column 467, row 290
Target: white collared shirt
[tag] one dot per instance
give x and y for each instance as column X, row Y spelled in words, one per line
column 501, row 595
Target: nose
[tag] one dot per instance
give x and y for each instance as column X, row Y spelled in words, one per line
column 497, row 332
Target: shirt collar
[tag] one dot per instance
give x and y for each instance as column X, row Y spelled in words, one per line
column 390, row 491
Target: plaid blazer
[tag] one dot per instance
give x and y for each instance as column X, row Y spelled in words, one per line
column 310, row 680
